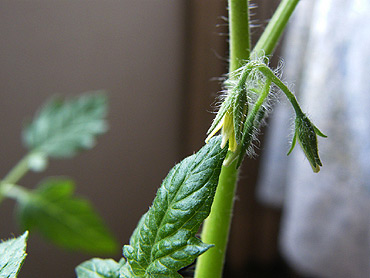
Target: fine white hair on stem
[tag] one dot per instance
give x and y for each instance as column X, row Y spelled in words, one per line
column 254, row 82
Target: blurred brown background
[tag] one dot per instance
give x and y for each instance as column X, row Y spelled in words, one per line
column 159, row 61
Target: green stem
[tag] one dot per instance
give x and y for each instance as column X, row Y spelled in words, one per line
column 270, row 37
column 239, row 34
column 18, row 171
column 216, row 228
column 13, row 191
column 257, row 106
column 217, row 225
column 266, row 71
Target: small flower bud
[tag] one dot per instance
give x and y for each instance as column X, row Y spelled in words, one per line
column 227, row 132
column 306, row 133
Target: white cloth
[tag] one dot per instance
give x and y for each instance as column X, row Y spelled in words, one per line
column 326, row 221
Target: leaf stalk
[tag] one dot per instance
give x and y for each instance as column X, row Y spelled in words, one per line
column 14, row 175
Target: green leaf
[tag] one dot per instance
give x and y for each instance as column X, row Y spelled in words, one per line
column 164, row 241
column 66, row 220
column 63, row 127
column 12, row 256
column 99, row 268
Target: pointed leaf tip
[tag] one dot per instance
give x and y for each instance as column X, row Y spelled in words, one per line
column 12, row 255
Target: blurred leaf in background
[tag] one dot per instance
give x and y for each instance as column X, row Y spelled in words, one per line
column 66, row 220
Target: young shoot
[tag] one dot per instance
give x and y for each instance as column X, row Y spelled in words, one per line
column 239, row 124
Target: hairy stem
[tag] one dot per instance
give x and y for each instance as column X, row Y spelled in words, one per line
column 217, row 225
column 239, row 33
column 266, row 71
column 216, row 228
column 270, row 37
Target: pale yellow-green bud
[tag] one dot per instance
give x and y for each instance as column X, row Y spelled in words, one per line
column 227, row 132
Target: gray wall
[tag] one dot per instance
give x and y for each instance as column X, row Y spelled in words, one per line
column 133, row 49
